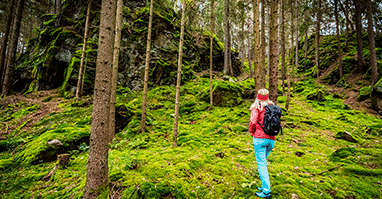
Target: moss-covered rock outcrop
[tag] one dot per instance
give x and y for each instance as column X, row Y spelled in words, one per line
column 52, row 59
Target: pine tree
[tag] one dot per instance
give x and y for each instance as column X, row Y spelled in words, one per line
column 273, row 50
column 97, row 167
column 283, row 45
column 81, row 70
column 257, row 46
column 317, row 44
column 114, row 76
column 211, row 52
column 373, row 54
column 8, row 76
column 340, row 68
column 358, row 25
column 5, row 38
column 147, row 64
column 177, row 95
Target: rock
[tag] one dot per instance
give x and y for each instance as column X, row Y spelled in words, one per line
column 63, row 160
column 316, row 95
column 55, row 143
column 347, row 136
column 294, row 196
column 376, row 95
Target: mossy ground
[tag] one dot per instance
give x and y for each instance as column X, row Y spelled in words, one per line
column 214, row 157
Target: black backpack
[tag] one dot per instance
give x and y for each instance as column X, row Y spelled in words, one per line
column 271, row 122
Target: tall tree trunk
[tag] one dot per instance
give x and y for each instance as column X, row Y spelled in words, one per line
column 79, row 82
column 358, row 25
column 250, row 63
column 262, row 50
column 8, row 76
column 97, row 167
column 338, row 39
column 211, row 52
column 117, row 48
column 242, row 41
column 147, row 64
column 273, row 51
column 288, row 80
column 373, row 54
column 177, row 95
column 347, row 23
column 226, row 35
column 230, row 71
column 257, row 46
column 5, row 38
column 317, row 45
column 283, row 45
column 306, row 43
column 296, row 52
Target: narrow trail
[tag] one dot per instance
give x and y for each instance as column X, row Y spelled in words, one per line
column 45, row 109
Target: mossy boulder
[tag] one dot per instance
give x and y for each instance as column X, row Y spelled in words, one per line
column 225, row 94
column 364, row 93
column 348, row 137
column 316, row 95
column 39, row 150
column 377, row 96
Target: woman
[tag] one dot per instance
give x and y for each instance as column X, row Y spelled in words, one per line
column 263, row 143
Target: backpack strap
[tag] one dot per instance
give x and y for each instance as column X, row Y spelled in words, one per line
column 261, row 126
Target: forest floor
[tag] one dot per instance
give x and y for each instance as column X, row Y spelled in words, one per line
column 214, row 157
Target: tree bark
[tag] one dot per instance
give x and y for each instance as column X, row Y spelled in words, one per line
column 262, row 50
column 211, row 52
column 317, row 44
column 257, row 46
column 273, row 80
column 117, row 48
column 79, row 82
column 177, row 95
column 97, row 167
column 8, row 76
column 226, row 35
column 358, row 25
column 5, row 39
column 283, row 45
column 147, row 66
column 296, row 50
column 340, row 68
column 373, row 54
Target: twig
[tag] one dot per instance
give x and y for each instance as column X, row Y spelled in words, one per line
column 329, row 170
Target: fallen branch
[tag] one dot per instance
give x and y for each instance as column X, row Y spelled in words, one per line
column 331, row 169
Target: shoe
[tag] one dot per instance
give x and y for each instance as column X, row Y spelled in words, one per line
column 263, row 195
column 259, row 188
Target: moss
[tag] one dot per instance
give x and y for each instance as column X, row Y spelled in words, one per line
column 364, row 93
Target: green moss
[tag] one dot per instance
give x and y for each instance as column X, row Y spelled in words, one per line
column 364, row 93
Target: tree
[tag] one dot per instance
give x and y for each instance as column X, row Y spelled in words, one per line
column 97, row 167
column 79, row 82
column 340, row 68
column 8, row 76
column 211, row 51
column 117, row 47
column 177, row 95
column 373, row 54
column 273, row 80
column 5, row 38
column 147, row 63
column 257, row 46
column 317, row 44
column 358, row 25
column 283, row 44
column 262, row 48
column 226, row 37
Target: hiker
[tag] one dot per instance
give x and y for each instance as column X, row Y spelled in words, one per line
column 262, row 143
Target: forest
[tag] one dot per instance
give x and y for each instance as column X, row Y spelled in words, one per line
column 151, row 98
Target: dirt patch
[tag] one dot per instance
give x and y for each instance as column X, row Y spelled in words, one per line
column 40, row 98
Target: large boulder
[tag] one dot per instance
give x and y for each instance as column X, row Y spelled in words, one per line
column 376, row 96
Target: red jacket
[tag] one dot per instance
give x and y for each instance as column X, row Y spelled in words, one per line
column 257, row 115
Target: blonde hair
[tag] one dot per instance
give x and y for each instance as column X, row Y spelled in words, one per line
column 261, row 103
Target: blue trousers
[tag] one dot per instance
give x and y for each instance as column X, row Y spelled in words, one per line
column 263, row 148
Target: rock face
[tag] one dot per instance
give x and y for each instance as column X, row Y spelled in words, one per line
column 347, row 136
column 53, row 58
column 376, row 98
